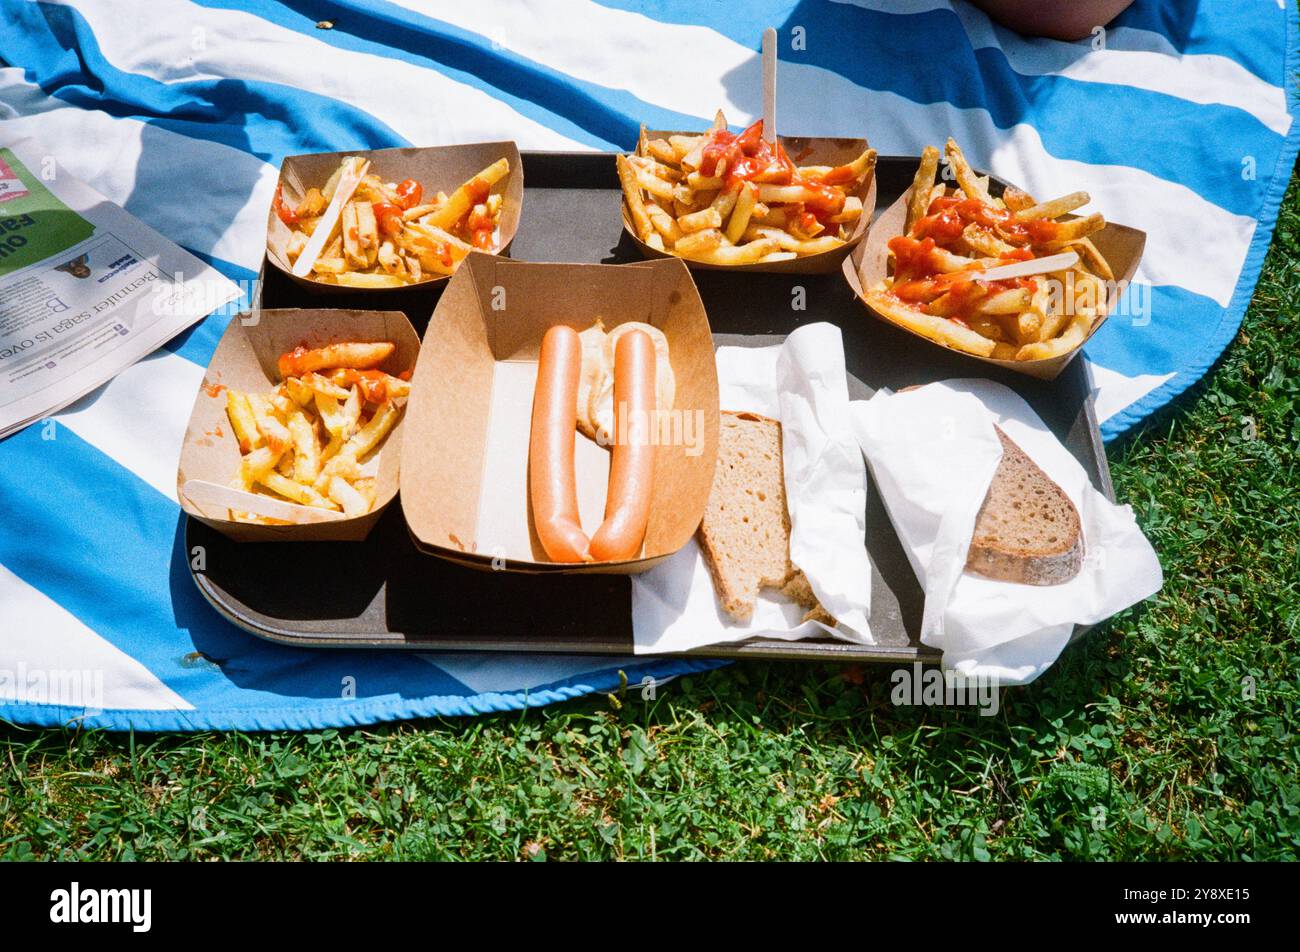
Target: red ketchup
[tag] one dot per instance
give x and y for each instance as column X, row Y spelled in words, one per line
column 409, row 193
column 388, row 218
column 919, row 275
column 748, row 157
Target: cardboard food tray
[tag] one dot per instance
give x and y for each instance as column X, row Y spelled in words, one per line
column 465, row 462
column 397, row 597
column 245, row 359
column 814, row 150
column 437, row 168
column 1120, row 245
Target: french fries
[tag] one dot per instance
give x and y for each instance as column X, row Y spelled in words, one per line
column 388, row 235
column 356, row 356
column 703, row 197
column 920, row 198
column 311, row 440
column 952, row 234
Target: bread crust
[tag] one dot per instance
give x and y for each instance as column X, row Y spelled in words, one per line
column 1028, row 570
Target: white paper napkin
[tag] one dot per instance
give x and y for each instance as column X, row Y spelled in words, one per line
column 932, row 452
column 802, row 383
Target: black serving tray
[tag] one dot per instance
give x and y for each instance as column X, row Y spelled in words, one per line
column 383, row 593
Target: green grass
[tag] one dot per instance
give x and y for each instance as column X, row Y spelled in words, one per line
column 1139, row 744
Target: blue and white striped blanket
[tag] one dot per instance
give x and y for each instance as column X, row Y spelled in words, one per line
column 1178, row 118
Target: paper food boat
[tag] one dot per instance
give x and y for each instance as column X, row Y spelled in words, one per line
column 245, row 359
column 465, row 451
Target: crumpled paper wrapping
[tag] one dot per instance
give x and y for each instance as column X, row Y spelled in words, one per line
column 932, row 452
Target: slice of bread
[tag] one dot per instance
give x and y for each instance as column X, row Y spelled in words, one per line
column 745, row 533
column 1027, row 529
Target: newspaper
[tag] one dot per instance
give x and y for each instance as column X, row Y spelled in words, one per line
column 86, row 290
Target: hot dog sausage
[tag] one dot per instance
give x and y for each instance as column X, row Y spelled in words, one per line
column 551, row 483
column 631, row 471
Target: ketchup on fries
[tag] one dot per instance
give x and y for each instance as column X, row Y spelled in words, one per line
column 953, row 235
column 727, row 198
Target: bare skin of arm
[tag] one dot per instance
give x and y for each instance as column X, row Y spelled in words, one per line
column 1059, row 21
